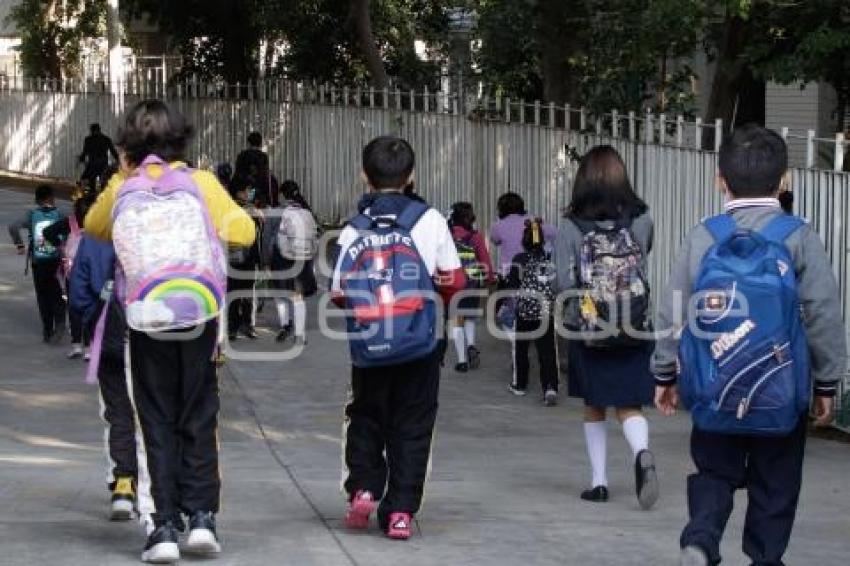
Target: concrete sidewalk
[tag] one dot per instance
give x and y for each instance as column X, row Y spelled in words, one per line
column 504, row 488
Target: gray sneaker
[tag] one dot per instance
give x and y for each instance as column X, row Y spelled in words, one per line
column 693, row 556
column 550, row 398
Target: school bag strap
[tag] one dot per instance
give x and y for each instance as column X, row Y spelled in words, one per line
column 779, row 228
column 361, row 222
column 411, row 215
column 720, row 227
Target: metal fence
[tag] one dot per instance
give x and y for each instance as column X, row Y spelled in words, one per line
column 466, row 150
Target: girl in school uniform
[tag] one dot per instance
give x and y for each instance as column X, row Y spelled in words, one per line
column 614, row 374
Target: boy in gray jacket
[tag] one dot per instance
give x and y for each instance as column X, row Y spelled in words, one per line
column 753, row 165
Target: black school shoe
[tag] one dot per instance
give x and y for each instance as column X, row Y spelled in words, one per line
column 646, row 479
column 162, row 546
column 202, row 539
column 474, row 357
column 598, row 494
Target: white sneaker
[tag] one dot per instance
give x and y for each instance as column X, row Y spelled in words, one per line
column 76, row 352
column 87, row 354
column 693, row 556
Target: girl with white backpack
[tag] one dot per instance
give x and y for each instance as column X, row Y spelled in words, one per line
column 290, row 244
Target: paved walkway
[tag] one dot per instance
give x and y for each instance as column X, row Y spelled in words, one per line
column 504, row 489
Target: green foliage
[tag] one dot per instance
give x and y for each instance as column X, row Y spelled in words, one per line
column 53, row 34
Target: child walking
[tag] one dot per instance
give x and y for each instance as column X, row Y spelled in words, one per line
column 394, row 257
column 601, row 254
column 44, row 260
column 290, row 245
column 92, row 296
column 174, row 296
column 66, row 235
column 762, row 361
column 475, row 259
column 532, row 275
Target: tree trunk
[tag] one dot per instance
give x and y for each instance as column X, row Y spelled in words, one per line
column 362, row 23
column 729, row 74
column 556, row 46
column 241, row 42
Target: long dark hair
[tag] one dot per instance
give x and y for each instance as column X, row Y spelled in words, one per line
column 602, row 190
column 462, row 215
column 290, row 190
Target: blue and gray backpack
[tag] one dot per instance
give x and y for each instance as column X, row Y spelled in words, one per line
column 41, row 249
column 388, row 291
column 744, row 357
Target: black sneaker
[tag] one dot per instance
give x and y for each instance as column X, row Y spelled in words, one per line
column 474, row 357
column 462, row 367
column 646, row 479
column 598, row 494
column 284, row 333
column 162, row 546
column 249, row 332
column 232, row 337
column 202, row 539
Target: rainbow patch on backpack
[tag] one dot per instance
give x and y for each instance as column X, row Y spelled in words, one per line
column 171, row 297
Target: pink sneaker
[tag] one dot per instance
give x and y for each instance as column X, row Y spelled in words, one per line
column 399, row 526
column 359, row 509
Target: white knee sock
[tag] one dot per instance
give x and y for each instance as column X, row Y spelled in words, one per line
column 300, row 309
column 282, row 311
column 595, row 436
column 469, row 330
column 460, row 343
column 636, row 431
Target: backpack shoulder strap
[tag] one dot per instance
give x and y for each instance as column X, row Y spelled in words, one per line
column 721, row 226
column 779, row 228
column 411, row 214
column 361, row 222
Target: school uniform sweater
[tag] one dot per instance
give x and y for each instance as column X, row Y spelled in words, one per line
column 817, row 290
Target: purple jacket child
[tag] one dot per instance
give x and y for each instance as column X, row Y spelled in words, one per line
column 507, row 235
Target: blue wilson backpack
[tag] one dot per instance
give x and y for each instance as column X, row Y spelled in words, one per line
column 744, row 358
column 392, row 315
column 41, row 218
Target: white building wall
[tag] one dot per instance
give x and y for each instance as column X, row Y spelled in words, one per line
column 796, row 107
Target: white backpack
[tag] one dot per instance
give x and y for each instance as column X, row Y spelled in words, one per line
column 173, row 272
column 298, row 234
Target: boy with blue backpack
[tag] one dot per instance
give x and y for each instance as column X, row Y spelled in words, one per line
column 397, row 262
column 45, row 261
column 763, row 328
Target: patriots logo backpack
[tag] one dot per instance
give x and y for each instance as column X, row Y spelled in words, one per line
column 172, row 264
column 743, row 355
column 388, row 291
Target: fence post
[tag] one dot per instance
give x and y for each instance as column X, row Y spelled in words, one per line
column 507, row 109
column 785, row 133
column 839, row 151
column 371, row 97
column 386, row 95
column 536, row 112
column 810, row 149
column 426, row 100
column 632, row 125
column 582, row 119
column 598, row 126
column 398, row 98
column 680, row 127
column 698, row 133
column 551, row 114
column 648, row 129
column 412, row 101
column 662, row 128
column 718, row 134
column 568, row 117
column 615, row 124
